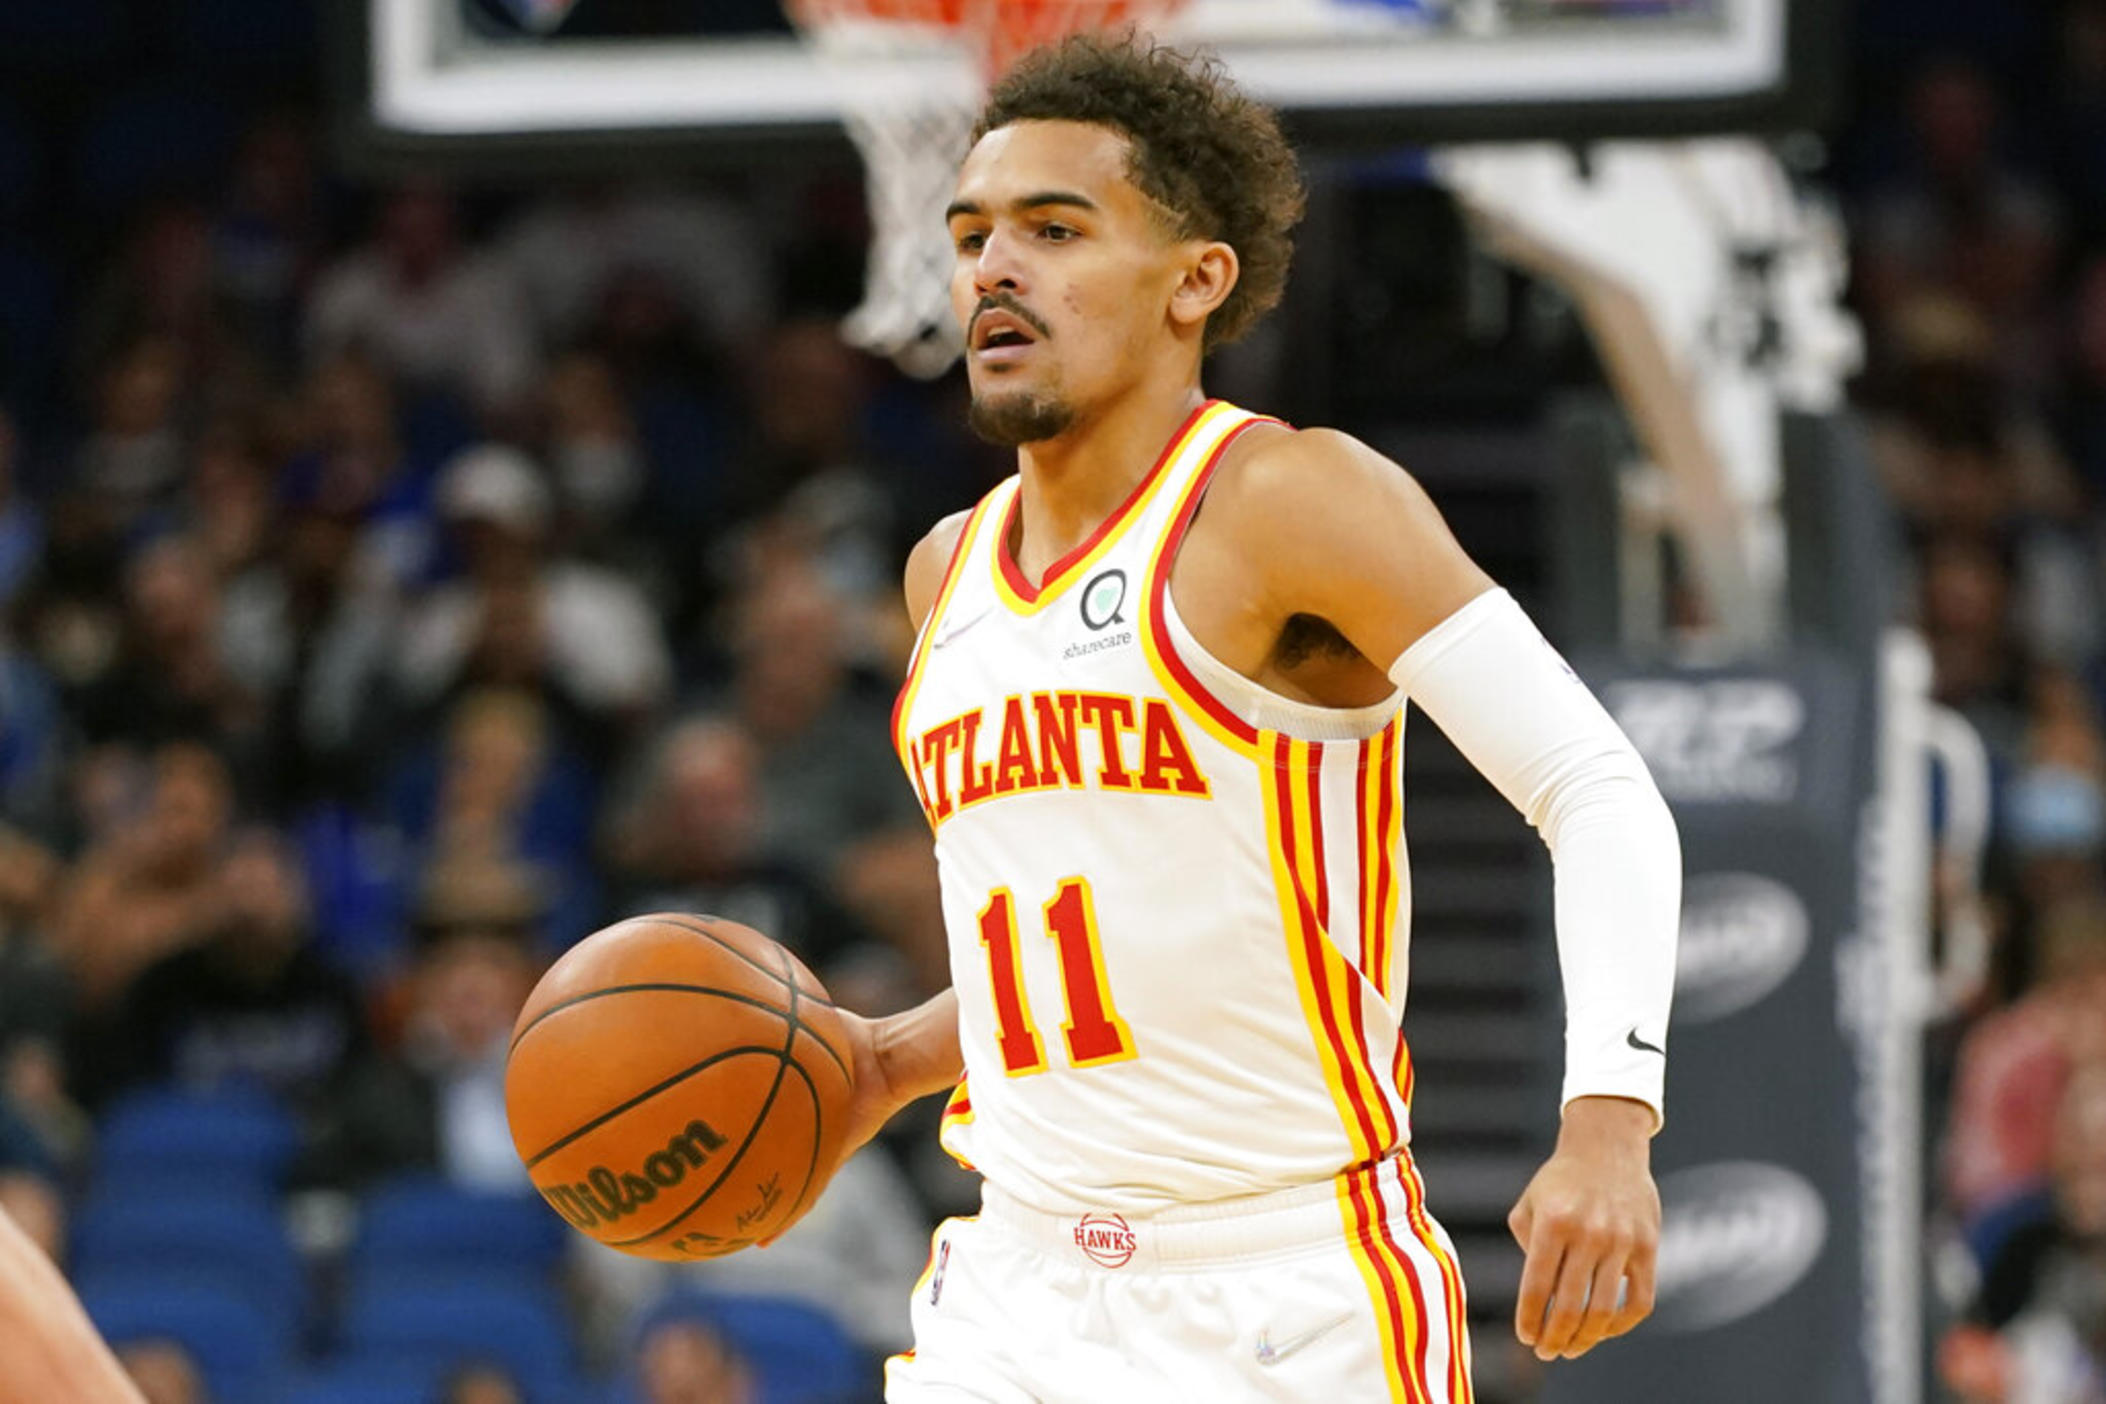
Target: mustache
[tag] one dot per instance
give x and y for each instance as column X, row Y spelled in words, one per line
column 1004, row 302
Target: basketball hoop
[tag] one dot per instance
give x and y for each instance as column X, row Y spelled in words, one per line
column 912, row 75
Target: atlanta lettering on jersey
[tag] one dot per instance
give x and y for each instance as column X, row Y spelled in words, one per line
column 1054, row 740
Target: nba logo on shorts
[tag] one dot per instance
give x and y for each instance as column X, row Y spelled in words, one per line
column 1105, row 1240
column 943, row 1261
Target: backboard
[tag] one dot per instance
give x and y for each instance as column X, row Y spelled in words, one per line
column 427, row 76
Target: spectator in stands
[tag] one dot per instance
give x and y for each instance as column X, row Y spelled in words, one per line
column 2080, row 110
column 683, row 1360
column 164, row 1372
column 438, row 1104
column 266, row 238
column 152, row 887
column 21, row 523
column 2081, row 413
column 583, row 635
column 174, row 679
column 2014, row 1065
column 437, row 315
column 36, row 998
column 691, row 842
column 163, row 289
column 2045, row 1295
column 355, row 466
column 829, row 775
column 597, row 461
column 1965, row 219
column 133, row 461
column 480, row 1384
column 226, row 506
column 250, row 1004
column 35, row 747
column 314, row 626
column 568, row 251
column 1965, row 615
column 500, row 784
column 809, row 474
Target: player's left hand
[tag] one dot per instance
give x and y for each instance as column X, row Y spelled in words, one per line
column 1589, row 1225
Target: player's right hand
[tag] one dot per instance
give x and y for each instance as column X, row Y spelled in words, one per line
column 893, row 1061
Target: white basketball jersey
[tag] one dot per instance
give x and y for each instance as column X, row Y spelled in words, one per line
column 1177, row 903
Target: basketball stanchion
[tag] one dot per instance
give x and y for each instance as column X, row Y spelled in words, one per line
column 913, row 136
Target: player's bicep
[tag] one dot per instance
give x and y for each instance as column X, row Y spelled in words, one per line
column 928, row 561
column 1350, row 537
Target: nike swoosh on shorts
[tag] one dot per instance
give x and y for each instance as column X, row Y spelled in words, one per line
column 1271, row 1352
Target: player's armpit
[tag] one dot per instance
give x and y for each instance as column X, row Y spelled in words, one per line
column 1336, row 530
column 927, row 562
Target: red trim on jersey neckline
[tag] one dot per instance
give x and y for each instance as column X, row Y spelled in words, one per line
column 1053, row 582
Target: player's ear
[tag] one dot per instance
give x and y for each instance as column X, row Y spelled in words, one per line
column 1208, row 275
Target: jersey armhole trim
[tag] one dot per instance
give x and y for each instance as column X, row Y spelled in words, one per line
column 903, row 701
column 1186, row 690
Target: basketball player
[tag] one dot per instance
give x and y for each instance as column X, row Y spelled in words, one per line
column 48, row 1348
column 1154, row 715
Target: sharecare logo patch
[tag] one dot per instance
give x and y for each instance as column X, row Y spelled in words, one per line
column 1106, row 1240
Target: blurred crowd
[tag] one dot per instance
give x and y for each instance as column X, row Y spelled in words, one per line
column 398, row 583
column 1974, row 168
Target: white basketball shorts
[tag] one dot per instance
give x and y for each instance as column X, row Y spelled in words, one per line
column 1336, row 1293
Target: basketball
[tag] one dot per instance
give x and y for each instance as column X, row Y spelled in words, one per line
column 678, row 1086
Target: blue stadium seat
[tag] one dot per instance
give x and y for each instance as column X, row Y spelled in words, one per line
column 240, row 1352
column 424, row 1224
column 152, row 141
column 424, row 1318
column 799, row 1353
column 244, row 1139
column 237, row 1241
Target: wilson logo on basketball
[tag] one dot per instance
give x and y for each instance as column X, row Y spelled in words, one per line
column 604, row 1197
column 1106, row 1240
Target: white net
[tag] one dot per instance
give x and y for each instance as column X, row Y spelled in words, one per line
column 911, row 77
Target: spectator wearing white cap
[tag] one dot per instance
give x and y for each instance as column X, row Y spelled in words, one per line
column 516, row 617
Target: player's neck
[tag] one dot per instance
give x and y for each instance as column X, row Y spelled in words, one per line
column 1072, row 483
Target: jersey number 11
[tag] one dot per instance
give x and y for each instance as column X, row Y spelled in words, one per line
column 1095, row 1033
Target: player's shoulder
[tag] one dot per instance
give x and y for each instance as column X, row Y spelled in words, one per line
column 1274, row 472
column 927, row 562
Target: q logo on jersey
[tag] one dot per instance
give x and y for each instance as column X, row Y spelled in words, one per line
column 1103, row 598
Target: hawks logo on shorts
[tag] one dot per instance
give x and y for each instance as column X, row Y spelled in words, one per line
column 1105, row 1240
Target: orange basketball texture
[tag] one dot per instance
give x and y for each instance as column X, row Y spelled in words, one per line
column 678, row 1086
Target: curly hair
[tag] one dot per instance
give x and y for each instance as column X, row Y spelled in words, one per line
column 1211, row 157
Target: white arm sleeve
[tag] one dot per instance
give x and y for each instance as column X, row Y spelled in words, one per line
column 1490, row 680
